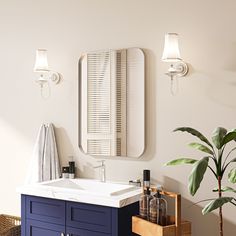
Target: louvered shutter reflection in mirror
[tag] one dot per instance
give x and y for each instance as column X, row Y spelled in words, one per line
column 111, row 109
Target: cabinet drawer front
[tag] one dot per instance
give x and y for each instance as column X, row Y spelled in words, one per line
column 37, row 228
column 89, row 217
column 44, row 209
column 82, row 232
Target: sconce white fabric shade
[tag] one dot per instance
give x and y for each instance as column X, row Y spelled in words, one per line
column 41, row 63
column 171, row 49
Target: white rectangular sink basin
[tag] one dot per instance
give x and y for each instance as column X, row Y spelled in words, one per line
column 90, row 186
column 85, row 191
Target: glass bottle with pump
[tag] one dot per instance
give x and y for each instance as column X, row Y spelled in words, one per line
column 158, row 210
column 161, row 210
column 144, row 204
column 146, row 197
column 153, row 209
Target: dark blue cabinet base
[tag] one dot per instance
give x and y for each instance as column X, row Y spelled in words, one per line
column 51, row 217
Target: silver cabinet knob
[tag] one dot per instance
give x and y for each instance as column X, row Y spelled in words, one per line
column 62, row 234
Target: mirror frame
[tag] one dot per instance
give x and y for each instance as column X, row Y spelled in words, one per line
column 80, row 108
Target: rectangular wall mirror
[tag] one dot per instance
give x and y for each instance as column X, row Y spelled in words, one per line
column 112, row 103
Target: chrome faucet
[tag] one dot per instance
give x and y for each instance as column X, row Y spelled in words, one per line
column 102, row 168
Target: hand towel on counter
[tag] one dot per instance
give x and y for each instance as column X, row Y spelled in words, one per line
column 45, row 163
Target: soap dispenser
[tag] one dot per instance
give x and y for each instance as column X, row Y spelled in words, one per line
column 144, row 203
column 153, row 209
column 158, row 209
column 146, row 196
column 161, row 210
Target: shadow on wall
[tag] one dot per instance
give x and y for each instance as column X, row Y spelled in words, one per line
column 88, row 170
column 205, row 225
column 67, row 147
column 84, row 169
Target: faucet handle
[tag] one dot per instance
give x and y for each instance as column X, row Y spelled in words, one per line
column 136, row 182
column 102, row 162
column 101, row 165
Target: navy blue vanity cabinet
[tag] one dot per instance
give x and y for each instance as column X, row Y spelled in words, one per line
column 51, row 217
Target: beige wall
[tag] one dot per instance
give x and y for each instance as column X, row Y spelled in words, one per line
column 69, row 27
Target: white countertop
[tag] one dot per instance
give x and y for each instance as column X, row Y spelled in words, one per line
column 73, row 190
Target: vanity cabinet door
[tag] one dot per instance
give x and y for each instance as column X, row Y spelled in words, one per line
column 81, row 232
column 38, row 228
column 89, row 217
column 46, row 210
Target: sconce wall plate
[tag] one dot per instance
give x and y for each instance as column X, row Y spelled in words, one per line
column 179, row 69
column 46, row 76
column 55, row 77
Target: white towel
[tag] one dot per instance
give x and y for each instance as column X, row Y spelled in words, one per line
column 35, row 168
column 45, row 163
column 51, row 166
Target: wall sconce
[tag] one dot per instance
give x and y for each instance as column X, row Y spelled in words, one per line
column 178, row 67
column 44, row 74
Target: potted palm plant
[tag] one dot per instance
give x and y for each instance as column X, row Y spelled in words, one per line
column 215, row 161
